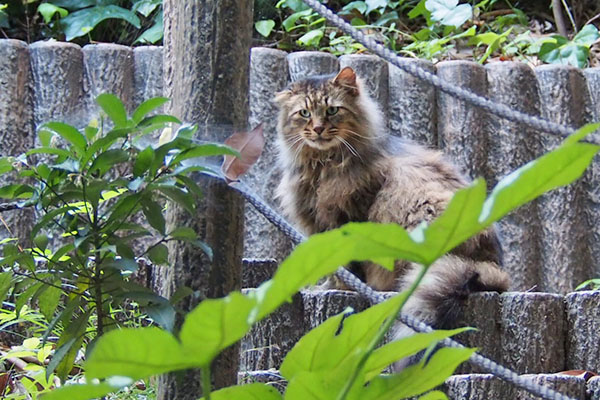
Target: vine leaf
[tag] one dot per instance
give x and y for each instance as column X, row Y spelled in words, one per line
column 249, row 145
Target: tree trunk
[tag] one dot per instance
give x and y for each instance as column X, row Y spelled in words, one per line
column 206, row 67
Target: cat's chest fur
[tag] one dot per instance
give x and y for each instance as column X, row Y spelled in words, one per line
column 325, row 196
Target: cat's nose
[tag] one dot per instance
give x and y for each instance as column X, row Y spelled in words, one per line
column 319, row 129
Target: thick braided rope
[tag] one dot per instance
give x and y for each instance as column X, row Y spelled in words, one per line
column 498, row 109
column 375, row 297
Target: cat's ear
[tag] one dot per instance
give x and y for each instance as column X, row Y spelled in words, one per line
column 347, row 79
column 282, row 97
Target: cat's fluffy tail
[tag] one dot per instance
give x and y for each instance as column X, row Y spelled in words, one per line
column 439, row 298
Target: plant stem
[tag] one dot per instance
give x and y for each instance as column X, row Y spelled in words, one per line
column 206, row 382
column 381, row 334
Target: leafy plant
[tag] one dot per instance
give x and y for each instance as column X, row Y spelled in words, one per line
column 100, row 194
column 560, row 50
column 131, row 21
column 340, row 358
column 590, row 284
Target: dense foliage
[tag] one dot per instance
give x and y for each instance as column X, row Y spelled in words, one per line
column 89, row 185
column 434, row 29
column 100, row 194
column 83, row 21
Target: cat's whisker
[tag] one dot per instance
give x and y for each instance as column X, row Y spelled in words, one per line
column 363, row 136
column 349, row 146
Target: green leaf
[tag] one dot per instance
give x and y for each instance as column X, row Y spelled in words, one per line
column 48, row 300
column 375, row 4
column 434, row 395
column 147, row 107
column 50, row 150
column 184, row 232
column 449, row 12
column 214, row 325
column 146, row 7
column 587, row 36
column 26, row 295
column 359, row 6
column 106, row 160
column 81, row 22
column 154, row 213
column 252, row 391
column 5, row 284
column 311, row 38
column 159, row 120
column 337, row 340
column 136, row 353
column 264, row 27
column 48, row 10
column 143, row 161
column 405, row 347
column 159, row 254
column 163, row 314
column 204, row 150
column 79, row 392
column 557, row 168
column 417, row 379
column 6, row 165
column 70, row 134
column 45, row 136
column 16, row 191
column 123, row 264
column 595, row 283
column 181, row 197
column 114, row 108
column 154, row 33
column 295, row 5
column 68, row 346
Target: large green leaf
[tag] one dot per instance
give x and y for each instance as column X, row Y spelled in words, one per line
column 5, row 284
column 154, row 214
column 449, row 12
column 214, row 325
column 264, row 27
column 136, row 353
column 405, row 347
column 253, row 391
column 81, row 22
column 337, row 340
column 587, row 36
column 154, row 33
column 70, row 134
column 48, row 300
column 114, row 108
column 143, row 161
column 106, row 160
column 48, row 10
column 205, row 150
column 147, row 107
column 416, row 379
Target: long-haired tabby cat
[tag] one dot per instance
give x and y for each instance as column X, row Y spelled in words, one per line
column 339, row 166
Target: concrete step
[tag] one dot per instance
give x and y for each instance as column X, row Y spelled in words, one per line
column 527, row 332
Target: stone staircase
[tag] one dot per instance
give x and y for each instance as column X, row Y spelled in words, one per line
column 533, row 333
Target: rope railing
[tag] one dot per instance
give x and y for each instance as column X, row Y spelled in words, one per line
column 495, row 108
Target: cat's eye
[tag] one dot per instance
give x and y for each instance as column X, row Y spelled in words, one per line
column 305, row 113
column 332, row 110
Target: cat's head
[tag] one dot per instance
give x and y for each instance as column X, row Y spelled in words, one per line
column 327, row 112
